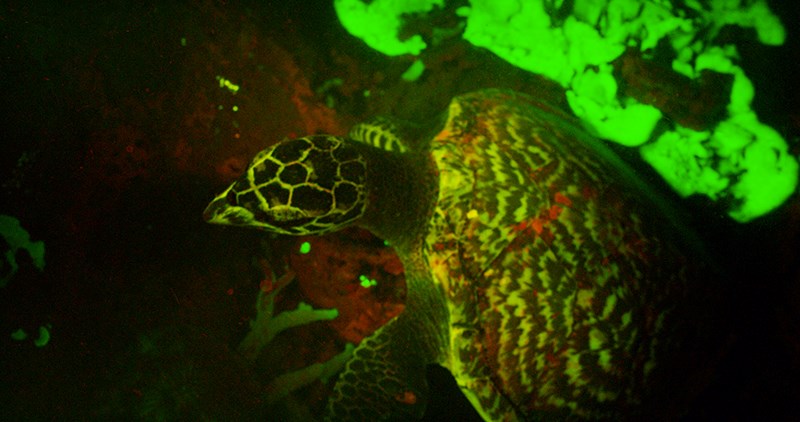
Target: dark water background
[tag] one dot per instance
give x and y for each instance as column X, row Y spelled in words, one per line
column 113, row 141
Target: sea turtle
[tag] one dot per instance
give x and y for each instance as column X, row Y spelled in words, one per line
column 540, row 272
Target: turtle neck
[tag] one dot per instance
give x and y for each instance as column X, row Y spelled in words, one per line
column 401, row 190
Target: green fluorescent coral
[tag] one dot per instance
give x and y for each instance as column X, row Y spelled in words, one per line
column 378, row 22
column 18, row 238
column 414, row 71
column 520, row 33
column 733, row 162
column 593, row 99
column 742, row 160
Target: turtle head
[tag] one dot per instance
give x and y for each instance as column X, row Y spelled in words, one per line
column 309, row 185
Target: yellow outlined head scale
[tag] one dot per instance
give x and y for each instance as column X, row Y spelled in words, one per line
column 309, row 185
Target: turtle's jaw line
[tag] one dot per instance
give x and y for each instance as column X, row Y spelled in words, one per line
column 218, row 209
column 209, row 214
column 215, row 210
column 220, row 212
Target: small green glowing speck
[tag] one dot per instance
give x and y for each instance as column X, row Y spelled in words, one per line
column 183, row 41
column 367, row 282
column 305, row 248
column 19, row 335
column 235, row 108
column 226, row 83
column 367, row 93
column 44, row 336
column 385, row 243
column 220, row 107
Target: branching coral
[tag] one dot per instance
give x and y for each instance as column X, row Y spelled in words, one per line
column 284, row 384
column 267, row 325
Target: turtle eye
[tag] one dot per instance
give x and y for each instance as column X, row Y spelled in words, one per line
column 231, row 198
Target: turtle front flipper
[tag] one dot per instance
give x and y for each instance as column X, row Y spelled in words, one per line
column 385, row 378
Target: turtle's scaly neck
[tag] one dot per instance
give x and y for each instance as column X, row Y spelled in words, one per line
column 402, row 189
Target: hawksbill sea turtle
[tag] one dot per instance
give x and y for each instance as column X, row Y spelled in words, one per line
column 540, row 271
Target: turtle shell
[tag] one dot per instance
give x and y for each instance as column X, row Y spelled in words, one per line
column 552, row 256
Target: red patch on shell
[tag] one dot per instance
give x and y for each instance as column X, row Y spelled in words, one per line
column 588, row 193
column 538, row 225
column 563, row 200
column 406, row 397
column 555, row 211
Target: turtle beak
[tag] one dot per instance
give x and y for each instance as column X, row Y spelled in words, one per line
column 224, row 210
column 214, row 209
